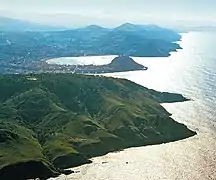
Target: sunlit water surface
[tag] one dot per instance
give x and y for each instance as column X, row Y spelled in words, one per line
column 191, row 72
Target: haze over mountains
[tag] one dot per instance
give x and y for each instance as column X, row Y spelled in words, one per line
column 28, row 43
column 17, row 25
column 58, row 116
column 50, row 122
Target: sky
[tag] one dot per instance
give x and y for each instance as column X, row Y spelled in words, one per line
column 111, row 12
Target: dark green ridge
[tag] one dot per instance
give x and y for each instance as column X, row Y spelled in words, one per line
column 49, row 122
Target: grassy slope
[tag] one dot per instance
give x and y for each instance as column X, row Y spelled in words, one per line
column 61, row 120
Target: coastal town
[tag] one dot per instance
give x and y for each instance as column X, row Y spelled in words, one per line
column 118, row 64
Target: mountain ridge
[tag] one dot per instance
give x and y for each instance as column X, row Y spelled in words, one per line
column 57, row 121
column 20, row 49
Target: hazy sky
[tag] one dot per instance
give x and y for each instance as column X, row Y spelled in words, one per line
column 111, row 12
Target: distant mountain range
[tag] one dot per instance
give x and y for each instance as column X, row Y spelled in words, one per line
column 15, row 25
column 127, row 39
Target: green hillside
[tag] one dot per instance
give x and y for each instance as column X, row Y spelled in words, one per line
column 50, row 122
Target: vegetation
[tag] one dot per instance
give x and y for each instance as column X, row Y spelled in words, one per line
column 128, row 39
column 49, row 122
column 118, row 64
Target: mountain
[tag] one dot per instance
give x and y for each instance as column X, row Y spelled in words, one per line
column 49, row 122
column 134, row 43
column 16, row 25
column 129, row 27
column 18, row 48
column 150, row 31
column 93, row 28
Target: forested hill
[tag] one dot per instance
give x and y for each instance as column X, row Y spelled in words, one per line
column 49, row 122
column 127, row 39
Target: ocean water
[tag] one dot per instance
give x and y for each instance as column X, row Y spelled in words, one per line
column 191, row 72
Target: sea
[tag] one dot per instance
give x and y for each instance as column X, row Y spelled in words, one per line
column 190, row 71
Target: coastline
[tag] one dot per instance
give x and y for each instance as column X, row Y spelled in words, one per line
column 139, row 102
column 191, row 158
column 176, row 160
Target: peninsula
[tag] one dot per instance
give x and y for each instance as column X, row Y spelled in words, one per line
column 23, row 49
column 49, row 122
column 119, row 64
